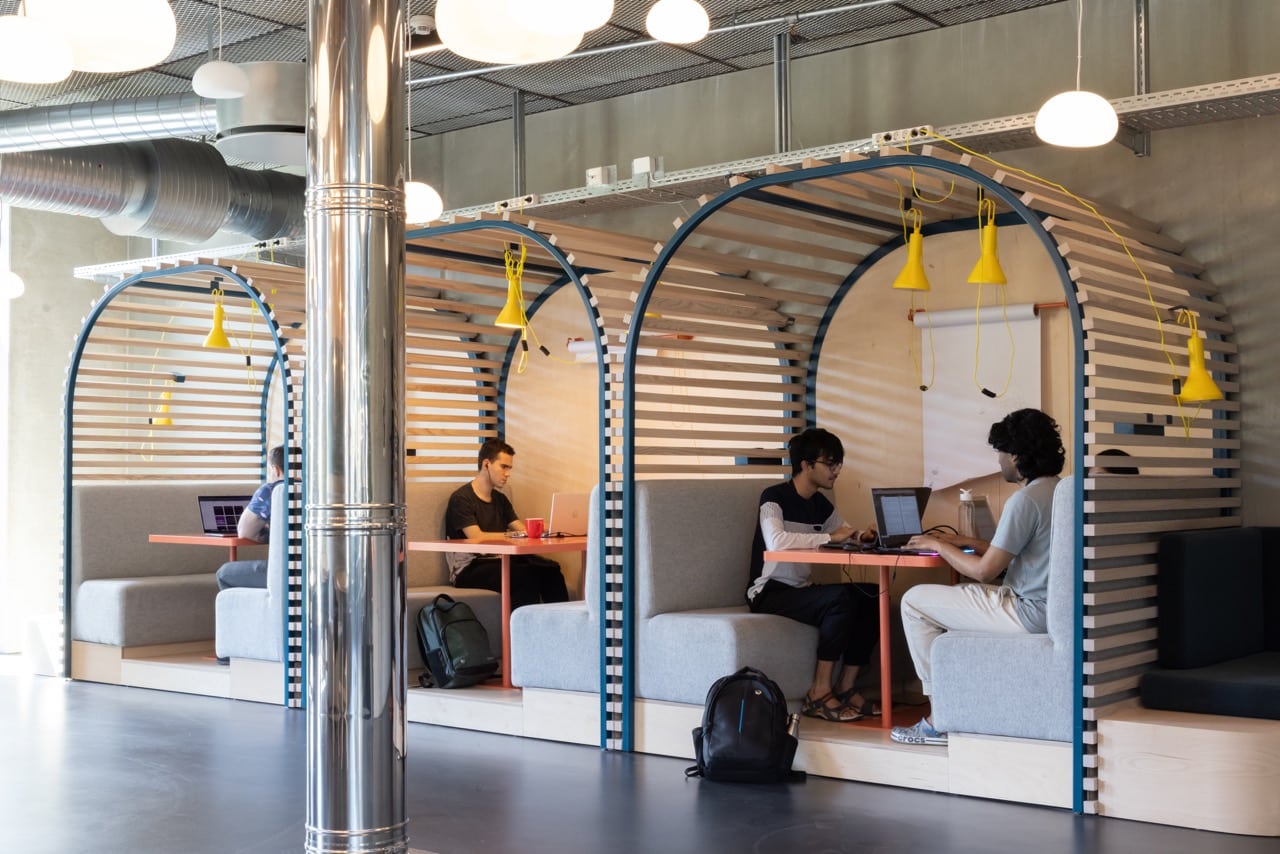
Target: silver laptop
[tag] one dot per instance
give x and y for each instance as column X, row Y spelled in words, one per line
column 569, row 513
column 220, row 514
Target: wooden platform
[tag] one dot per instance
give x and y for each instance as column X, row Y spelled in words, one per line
column 1013, row 769
column 1208, row 772
column 188, row 668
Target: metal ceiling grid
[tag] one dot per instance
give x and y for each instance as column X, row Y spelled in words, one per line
column 586, row 73
column 275, row 30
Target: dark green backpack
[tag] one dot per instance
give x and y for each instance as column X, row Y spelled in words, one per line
column 454, row 645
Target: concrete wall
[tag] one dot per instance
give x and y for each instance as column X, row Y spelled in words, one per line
column 44, row 323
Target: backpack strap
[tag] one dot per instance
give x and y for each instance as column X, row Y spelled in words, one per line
column 443, row 601
column 695, row 771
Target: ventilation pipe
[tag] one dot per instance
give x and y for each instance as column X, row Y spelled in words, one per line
column 100, row 122
column 171, row 189
column 153, row 183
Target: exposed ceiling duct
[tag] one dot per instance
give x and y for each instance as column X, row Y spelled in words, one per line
column 168, row 188
column 155, row 185
column 98, row 122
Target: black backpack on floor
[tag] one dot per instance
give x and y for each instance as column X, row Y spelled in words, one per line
column 454, row 645
column 745, row 735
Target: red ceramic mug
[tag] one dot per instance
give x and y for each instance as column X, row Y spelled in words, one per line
column 533, row 527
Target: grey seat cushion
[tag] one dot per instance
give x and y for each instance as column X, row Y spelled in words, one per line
column 145, row 611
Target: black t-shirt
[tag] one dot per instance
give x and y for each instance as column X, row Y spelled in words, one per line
column 465, row 509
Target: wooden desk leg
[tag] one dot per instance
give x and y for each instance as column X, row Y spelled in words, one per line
column 886, row 654
column 232, row 549
column 506, row 621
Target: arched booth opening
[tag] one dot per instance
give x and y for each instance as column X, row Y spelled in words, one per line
column 210, row 414
column 181, row 378
column 774, row 307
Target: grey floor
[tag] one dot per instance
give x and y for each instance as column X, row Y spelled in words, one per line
column 96, row 768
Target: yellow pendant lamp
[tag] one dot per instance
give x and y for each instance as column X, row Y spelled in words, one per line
column 912, row 277
column 1198, row 387
column 988, row 270
column 512, row 314
column 217, row 338
column 163, row 411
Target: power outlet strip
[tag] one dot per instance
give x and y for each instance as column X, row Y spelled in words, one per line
column 898, row 137
column 518, row 202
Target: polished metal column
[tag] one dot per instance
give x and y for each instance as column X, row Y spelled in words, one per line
column 353, row 441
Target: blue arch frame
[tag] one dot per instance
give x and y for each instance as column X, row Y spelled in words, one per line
column 571, row 275
column 68, row 422
column 1020, row 213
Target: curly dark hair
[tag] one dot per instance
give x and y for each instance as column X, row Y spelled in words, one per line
column 1033, row 439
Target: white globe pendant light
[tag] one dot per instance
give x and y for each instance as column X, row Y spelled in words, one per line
column 485, row 31
column 561, row 17
column 1077, row 119
column 218, row 78
column 677, row 21
column 421, row 203
column 115, row 36
column 32, row 51
column 11, row 284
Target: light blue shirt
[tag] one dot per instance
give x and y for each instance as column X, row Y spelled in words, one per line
column 1024, row 530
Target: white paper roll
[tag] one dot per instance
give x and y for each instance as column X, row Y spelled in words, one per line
column 965, row 316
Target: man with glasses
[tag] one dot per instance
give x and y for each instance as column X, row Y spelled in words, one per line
column 796, row 514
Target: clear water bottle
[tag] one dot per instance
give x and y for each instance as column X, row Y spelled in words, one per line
column 967, row 524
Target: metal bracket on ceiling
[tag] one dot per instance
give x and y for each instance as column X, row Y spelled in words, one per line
column 1137, row 141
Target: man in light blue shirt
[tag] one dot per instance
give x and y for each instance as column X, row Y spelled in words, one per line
column 1029, row 448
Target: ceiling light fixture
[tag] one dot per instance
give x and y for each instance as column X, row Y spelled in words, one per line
column 1077, row 119
column 988, row 270
column 677, row 21
column 912, row 277
column 484, row 30
column 1198, row 387
column 423, row 37
column 422, row 204
column 561, row 17
column 123, row 35
column 220, row 79
column 32, row 51
column 11, row 284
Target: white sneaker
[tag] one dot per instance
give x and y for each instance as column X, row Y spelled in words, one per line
column 921, row 733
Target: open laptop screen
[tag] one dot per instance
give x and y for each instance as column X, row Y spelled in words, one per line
column 220, row 514
column 898, row 512
column 569, row 512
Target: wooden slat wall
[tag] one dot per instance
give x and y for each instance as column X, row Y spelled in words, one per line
column 721, row 370
column 724, row 326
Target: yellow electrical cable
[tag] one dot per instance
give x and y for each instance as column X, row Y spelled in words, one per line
column 1124, row 244
column 988, row 205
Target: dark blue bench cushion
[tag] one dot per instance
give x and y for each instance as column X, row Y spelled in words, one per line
column 1210, row 597
column 1271, row 586
column 1246, row 687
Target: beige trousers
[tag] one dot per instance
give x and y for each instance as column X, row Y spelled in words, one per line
column 928, row 610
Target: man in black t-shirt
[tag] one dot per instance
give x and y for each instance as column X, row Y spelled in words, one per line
column 478, row 508
column 794, row 515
